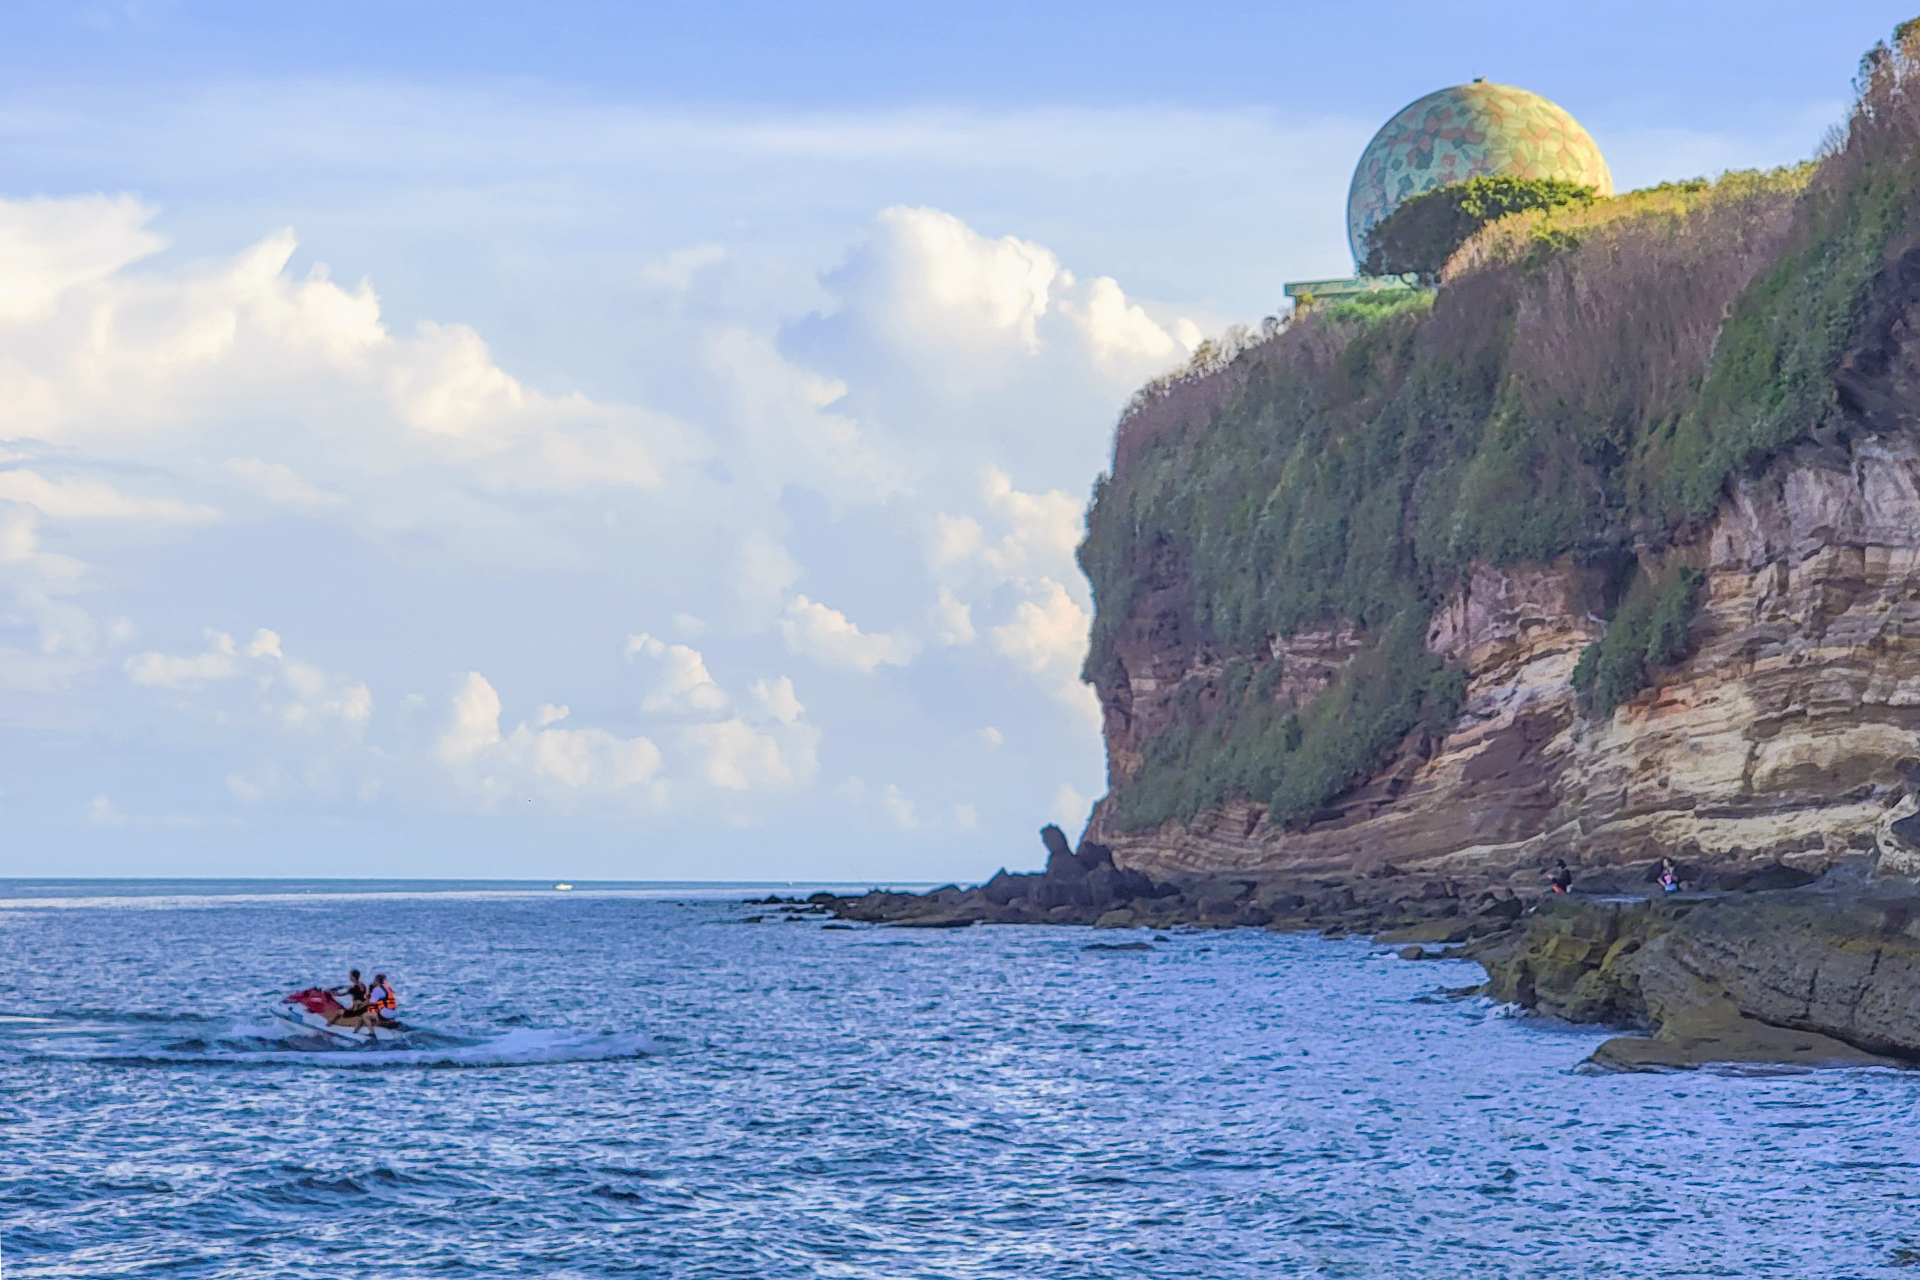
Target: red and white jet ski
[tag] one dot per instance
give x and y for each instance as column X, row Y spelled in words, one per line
column 313, row 1010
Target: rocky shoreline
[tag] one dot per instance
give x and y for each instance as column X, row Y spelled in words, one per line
column 1767, row 966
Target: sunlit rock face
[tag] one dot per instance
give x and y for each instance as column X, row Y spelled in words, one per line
column 1788, row 733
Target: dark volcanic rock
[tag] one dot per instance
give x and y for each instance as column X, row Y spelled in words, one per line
column 1776, row 876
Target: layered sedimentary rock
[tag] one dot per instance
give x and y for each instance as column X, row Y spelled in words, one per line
column 1787, row 734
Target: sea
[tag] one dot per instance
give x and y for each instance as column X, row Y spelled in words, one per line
column 665, row 1080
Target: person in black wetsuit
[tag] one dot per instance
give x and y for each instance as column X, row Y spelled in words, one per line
column 1562, row 878
column 356, row 993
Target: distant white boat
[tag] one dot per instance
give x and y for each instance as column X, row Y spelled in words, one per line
column 563, row 887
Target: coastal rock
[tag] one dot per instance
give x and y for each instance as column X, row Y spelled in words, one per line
column 1813, row 977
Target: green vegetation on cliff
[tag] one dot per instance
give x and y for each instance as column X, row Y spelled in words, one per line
column 1586, row 382
column 1426, row 230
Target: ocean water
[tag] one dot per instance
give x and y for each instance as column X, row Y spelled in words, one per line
column 635, row 1081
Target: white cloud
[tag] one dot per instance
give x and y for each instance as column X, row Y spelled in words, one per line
column 102, row 813
column 890, row 800
column 54, row 246
column 684, row 684
column 677, row 270
column 279, row 483
column 128, row 366
column 1043, row 528
column 294, row 694
column 1121, row 336
column 169, row 671
column 474, row 722
column 955, row 538
column 966, row 817
column 933, row 276
column 1049, row 631
column 792, row 430
column 952, row 619
column 1070, row 809
column 72, row 499
column 473, row 516
column 825, row 635
column 265, row 644
column 740, row 756
column 575, row 759
column 778, row 699
column 930, row 286
column 990, row 736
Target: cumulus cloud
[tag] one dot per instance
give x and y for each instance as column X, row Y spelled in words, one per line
column 815, row 631
column 572, row 759
column 125, row 365
column 473, row 722
column 175, row 671
column 54, row 246
column 928, row 284
column 684, row 683
column 282, row 429
column 292, row 693
column 779, row 748
column 1048, row 631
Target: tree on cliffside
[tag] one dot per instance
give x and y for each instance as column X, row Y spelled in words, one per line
column 1423, row 233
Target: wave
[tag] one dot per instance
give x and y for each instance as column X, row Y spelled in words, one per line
column 247, row 1043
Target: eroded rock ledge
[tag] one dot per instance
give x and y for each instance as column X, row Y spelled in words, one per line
column 1827, row 975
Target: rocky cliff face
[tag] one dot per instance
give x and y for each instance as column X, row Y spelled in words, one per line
column 1787, row 734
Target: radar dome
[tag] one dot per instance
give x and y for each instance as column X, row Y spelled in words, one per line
column 1469, row 131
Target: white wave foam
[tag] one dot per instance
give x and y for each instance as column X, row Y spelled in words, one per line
column 250, row 1043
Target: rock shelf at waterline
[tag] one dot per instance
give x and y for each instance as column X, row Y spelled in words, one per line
column 1761, row 967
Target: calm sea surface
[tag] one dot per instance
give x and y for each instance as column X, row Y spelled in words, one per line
column 634, row 1081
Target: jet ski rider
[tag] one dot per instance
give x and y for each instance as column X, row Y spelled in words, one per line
column 356, row 993
column 381, row 1002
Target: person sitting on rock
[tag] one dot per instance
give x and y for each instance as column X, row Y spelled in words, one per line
column 1562, row 878
column 1669, row 876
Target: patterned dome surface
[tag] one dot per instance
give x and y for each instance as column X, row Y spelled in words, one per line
column 1469, row 131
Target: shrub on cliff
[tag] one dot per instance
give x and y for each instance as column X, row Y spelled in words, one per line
column 1425, row 230
column 1773, row 378
column 1649, row 631
column 1231, row 737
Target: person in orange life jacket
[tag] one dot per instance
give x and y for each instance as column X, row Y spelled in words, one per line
column 1562, row 878
column 381, row 1001
column 356, row 993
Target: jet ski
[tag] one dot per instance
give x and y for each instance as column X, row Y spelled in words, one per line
column 311, row 1011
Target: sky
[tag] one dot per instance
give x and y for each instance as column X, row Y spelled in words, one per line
column 613, row 441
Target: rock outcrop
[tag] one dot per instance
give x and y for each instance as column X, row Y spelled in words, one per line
column 1821, row 976
column 1786, row 735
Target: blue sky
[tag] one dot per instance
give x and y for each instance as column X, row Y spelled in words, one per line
column 648, row 441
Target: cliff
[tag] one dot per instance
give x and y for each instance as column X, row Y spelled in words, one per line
column 1609, row 549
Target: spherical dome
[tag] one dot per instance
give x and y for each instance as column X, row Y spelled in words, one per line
column 1469, row 131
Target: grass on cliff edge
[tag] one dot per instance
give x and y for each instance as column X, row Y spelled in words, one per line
column 1589, row 376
